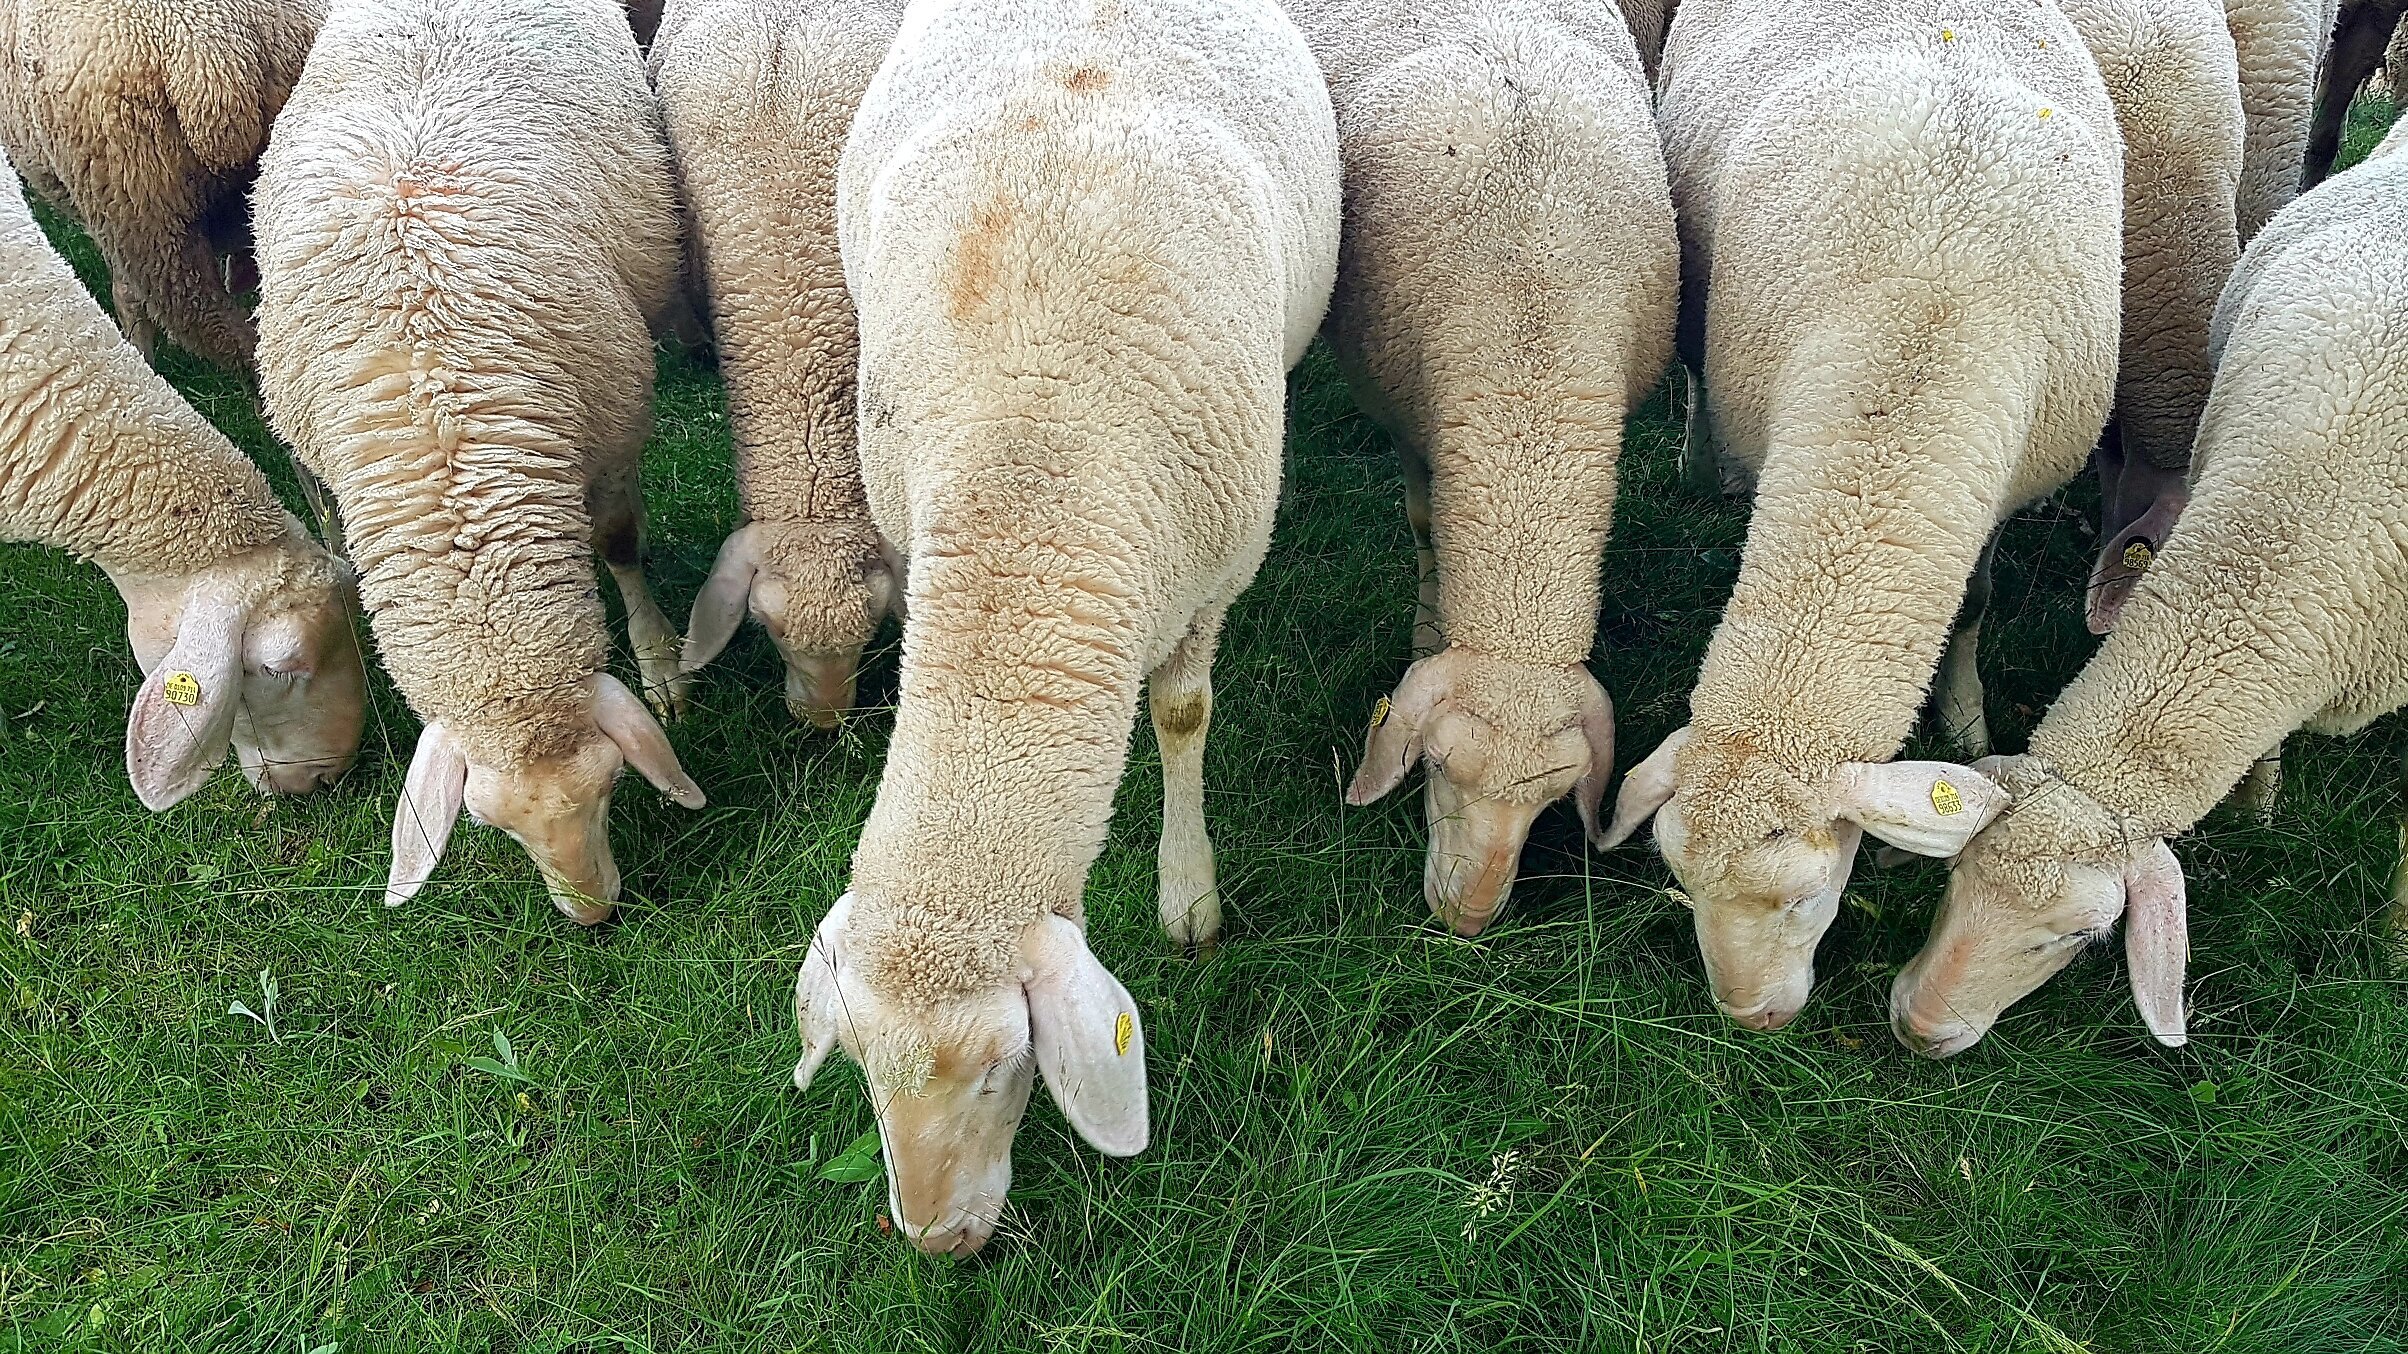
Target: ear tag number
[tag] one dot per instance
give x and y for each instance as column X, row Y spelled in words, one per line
column 181, row 688
column 1945, row 799
column 2138, row 553
column 1379, row 712
column 1123, row 1030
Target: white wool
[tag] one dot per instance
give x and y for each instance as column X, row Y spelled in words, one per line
column 145, row 118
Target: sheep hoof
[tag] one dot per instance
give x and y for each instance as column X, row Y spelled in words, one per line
column 1194, row 924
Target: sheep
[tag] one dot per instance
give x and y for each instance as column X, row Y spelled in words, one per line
column 758, row 95
column 1909, row 219
column 464, row 221
column 1506, row 289
column 2363, row 37
column 1087, row 241
column 2170, row 71
column 145, row 120
column 2280, row 44
column 2280, row 602
column 240, row 622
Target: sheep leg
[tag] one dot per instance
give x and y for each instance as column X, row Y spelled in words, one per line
column 2261, row 787
column 619, row 540
column 2358, row 46
column 1958, row 704
column 1179, row 695
column 1429, row 632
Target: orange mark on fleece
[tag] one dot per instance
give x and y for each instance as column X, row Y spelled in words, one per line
column 977, row 260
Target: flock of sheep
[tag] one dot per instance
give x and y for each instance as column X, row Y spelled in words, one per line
column 1005, row 293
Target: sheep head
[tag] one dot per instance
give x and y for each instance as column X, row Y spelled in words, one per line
column 256, row 652
column 2049, row 878
column 1501, row 740
column 949, row 1079
column 818, row 588
column 557, row 806
column 1764, row 855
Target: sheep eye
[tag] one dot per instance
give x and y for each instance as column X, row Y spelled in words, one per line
column 1777, row 833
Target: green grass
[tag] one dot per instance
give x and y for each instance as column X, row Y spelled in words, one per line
column 1331, row 1095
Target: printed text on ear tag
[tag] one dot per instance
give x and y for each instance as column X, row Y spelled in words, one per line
column 1945, row 800
column 181, row 688
column 1379, row 712
column 2138, row 553
column 1123, row 1030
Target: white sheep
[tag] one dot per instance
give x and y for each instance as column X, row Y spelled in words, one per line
column 241, row 623
column 2170, row 71
column 758, row 96
column 1505, row 294
column 464, row 220
column 2281, row 45
column 145, row 120
column 1087, row 241
column 2279, row 603
column 1906, row 217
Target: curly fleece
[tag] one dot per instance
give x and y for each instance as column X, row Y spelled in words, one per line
column 1082, row 274
column 464, row 223
column 758, row 96
column 1907, row 219
column 2169, row 68
column 2280, row 44
column 1505, row 294
column 2281, row 600
column 98, row 456
column 145, row 118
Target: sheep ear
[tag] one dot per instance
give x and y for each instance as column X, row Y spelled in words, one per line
column 721, row 606
column 183, row 715
column 2127, row 555
column 1929, row 808
column 1597, row 727
column 1089, row 1043
column 429, row 808
column 817, row 1004
column 1394, row 744
column 1647, row 788
column 2157, row 939
column 624, row 720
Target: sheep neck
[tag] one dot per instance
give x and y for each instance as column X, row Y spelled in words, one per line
column 1021, row 667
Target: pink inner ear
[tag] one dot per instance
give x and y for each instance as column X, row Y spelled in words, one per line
column 1089, row 1042
column 2157, row 940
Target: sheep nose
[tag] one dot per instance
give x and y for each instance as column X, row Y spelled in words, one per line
column 1767, row 1017
column 1466, row 898
column 960, row 1233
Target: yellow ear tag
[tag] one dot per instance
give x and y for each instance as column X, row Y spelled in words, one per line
column 1947, row 35
column 1123, row 1030
column 1945, row 800
column 181, row 688
column 1379, row 712
column 2138, row 552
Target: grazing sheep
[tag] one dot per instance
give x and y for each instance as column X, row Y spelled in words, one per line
column 464, row 220
column 2363, row 37
column 145, row 118
column 2279, row 603
column 2170, row 72
column 1087, row 241
column 241, row 623
column 1910, row 223
column 758, row 96
column 1505, row 295
column 2280, row 44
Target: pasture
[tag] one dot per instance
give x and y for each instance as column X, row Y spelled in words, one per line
column 468, row 1125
